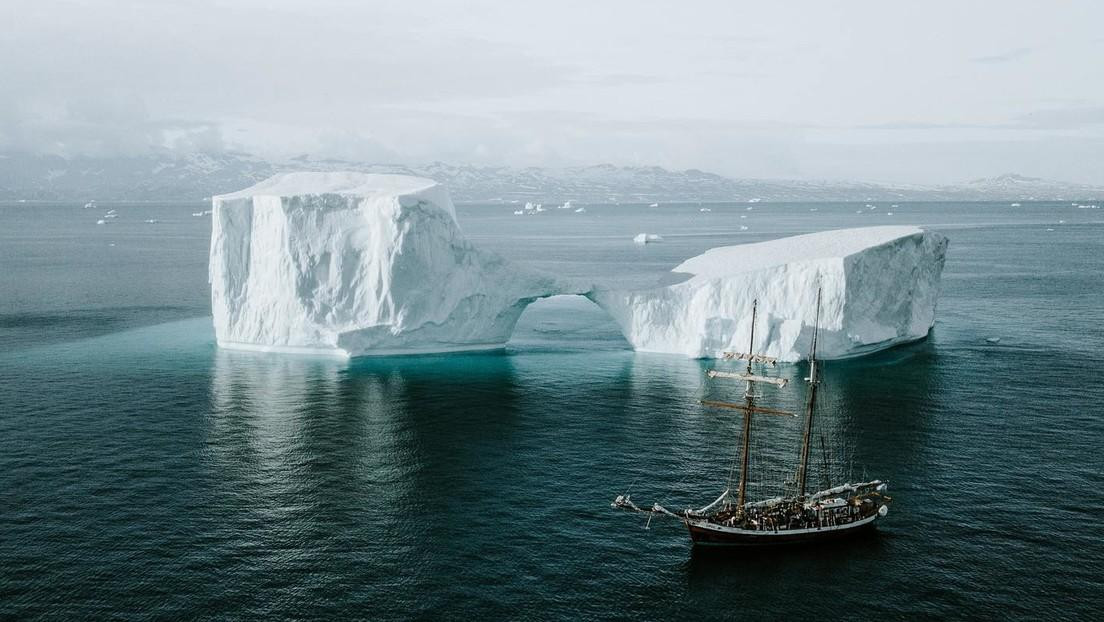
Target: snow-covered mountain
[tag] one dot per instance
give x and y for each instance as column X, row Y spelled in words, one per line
column 172, row 176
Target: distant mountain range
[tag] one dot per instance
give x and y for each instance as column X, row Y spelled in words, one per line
column 170, row 176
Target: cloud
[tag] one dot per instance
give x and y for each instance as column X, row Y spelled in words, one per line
column 1062, row 118
column 1005, row 57
column 105, row 123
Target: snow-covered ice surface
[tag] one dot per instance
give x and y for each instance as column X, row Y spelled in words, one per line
column 354, row 264
column 880, row 286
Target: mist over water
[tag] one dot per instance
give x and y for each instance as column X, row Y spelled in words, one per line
column 148, row 474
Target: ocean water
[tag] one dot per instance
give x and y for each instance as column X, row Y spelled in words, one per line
column 145, row 474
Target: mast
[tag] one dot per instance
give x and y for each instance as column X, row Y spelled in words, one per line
column 744, row 453
column 803, row 468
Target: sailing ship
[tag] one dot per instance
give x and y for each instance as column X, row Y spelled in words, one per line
column 798, row 517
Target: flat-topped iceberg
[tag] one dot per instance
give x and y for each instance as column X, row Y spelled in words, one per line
column 356, row 264
column 880, row 286
column 352, row 264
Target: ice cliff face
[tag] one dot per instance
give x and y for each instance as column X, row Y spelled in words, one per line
column 352, row 263
column 880, row 286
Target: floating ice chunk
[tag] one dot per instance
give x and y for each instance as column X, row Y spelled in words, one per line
column 566, row 205
column 151, row 221
column 645, row 238
column 880, row 286
column 352, row 264
column 519, row 212
column 1014, row 204
column 992, row 339
column 743, row 227
column 581, row 210
column 705, row 209
column 101, row 222
column 654, row 205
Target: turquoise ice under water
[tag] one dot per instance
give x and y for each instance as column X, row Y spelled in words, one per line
column 146, row 474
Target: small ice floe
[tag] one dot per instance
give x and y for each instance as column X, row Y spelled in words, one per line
column 581, row 210
column 566, row 205
column 705, row 209
column 1014, row 204
column 1061, row 222
column 872, row 207
column 743, row 227
column 540, row 208
column 992, row 340
column 101, row 222
column 530, row 206
column 151, row 221
column 894, row 205
column 750, row 208
column 647, row 238
column 89, row 204
column 754, row 200
column 743, row 215
column 654, row 205
column 110, row 211
column 858, row 211
column 519, row 212
column 111, row 215
column 889, row 213
column 1049, row 229
column 813, row 209
column 112, row 244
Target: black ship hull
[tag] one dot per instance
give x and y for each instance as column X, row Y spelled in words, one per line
column 708, row 534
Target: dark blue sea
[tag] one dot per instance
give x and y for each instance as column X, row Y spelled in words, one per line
column 145, row 474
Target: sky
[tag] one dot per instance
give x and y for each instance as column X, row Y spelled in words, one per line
column 919, row 92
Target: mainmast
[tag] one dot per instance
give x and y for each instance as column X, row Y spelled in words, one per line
column 810, row 404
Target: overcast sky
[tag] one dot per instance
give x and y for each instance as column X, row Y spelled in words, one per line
column 929, row 92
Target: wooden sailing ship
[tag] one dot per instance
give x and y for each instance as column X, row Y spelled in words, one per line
column 799, row 517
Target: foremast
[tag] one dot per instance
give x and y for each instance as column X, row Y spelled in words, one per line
column 810, row 406
column 749, row 406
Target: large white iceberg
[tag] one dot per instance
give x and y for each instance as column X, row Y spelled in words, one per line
column 353, row 263
column 879, row 284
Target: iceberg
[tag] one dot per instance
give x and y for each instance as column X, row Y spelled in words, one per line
column 356, row 264
column 645, row 238
column 879, row 289
column 362, row 264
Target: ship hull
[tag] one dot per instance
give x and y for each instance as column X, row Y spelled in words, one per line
column 706, row 534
